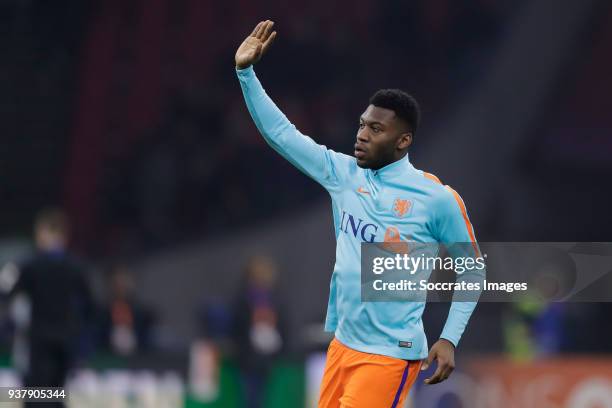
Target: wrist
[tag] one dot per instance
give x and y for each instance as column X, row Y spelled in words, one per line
column 442, row 339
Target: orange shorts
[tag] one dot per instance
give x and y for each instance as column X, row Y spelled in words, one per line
column 353, row 379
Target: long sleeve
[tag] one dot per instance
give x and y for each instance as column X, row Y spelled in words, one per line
column 455, row 229
column 316, row 161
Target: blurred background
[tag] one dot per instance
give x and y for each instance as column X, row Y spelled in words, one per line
column 197, row 261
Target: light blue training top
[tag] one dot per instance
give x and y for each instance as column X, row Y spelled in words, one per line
column 370, row 206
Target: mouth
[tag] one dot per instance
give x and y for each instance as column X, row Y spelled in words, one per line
column 360, row 152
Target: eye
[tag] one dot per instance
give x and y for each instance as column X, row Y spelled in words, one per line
column 361, row 125
column 376, row 129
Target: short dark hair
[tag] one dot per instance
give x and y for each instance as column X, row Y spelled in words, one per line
column 403, row 104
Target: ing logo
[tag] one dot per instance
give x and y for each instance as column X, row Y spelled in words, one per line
column 358, row 227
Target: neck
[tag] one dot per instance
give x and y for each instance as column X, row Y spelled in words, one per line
column 395, row 159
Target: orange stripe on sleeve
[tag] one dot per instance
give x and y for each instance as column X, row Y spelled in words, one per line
column 468, row 224
column 432, row 177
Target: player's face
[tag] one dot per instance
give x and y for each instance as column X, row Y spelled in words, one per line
column 381, row 138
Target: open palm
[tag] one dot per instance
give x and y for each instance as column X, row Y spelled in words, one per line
column 255, row 45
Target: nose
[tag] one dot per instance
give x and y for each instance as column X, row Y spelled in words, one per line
column 362, row 135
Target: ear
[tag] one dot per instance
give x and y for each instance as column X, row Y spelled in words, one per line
column 404, row 141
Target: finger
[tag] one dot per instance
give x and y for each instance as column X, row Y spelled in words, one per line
column 269, row 41
column 267, row 30
column 447, row 369
column 427, row 362
column 259, row 29
column 434, row 379
column 446, row 373
column 262, row 29
column 254, row 33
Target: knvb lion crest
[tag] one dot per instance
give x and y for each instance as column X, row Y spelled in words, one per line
column 401, row 207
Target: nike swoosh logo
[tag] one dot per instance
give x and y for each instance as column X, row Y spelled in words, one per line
column 362, row 191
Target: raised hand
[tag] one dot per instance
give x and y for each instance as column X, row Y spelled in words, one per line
column 255, row 45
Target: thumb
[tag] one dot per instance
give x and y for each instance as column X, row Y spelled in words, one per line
column 427, row 362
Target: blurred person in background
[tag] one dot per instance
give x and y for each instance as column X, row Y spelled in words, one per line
column 258, row 330
column 534, row 326
column 127, row 323
column 59, row 296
